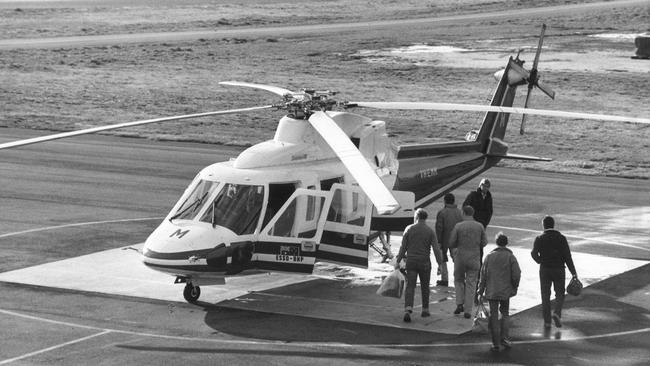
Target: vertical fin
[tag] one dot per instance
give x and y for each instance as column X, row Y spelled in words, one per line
column 495, row 123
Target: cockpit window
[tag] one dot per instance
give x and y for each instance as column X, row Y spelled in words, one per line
column 195, row 200
column 236, row 207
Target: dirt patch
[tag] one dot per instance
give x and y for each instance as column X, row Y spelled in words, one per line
column 65, row 89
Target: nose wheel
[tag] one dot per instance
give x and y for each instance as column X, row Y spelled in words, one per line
column 191, row 293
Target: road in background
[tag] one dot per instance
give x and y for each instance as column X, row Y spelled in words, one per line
column 103, row 40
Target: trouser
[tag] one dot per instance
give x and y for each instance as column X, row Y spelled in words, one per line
column 444, row 272
column 413, row 270
column 465, row 277
column 385, row 243
column 548, row 276
column 499, row 327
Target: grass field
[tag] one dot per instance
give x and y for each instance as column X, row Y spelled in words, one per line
column 73, row 88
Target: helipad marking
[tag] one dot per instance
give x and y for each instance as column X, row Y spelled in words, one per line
column 575, row 237
column 77, row 224
column 309, row 344
column 103, row 272
column 9, row 360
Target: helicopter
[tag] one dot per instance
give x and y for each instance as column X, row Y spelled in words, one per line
column 326, row 181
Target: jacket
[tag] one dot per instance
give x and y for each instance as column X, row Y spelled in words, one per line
column 482, row 206
column 446, row 219
column 469, row 237
column 551, row 250
column 417, row 241
column 500, row 275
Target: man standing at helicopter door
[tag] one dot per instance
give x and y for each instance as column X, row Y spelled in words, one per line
column 481, row 201
column 417, row 240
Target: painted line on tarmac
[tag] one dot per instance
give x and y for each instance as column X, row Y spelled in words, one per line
column 77, row 224
column 9, row 360
column 304, row 344
column 160, row 218
column 576, row 237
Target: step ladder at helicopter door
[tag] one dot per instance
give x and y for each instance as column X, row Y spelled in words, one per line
column 347, row 226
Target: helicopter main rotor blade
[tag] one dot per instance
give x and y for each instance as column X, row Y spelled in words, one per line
column 487, row 108
column 124, row 125
column 523, row 117
column 355, row 162
column 269, row 88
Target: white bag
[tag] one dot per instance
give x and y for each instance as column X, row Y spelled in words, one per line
column 393, row 285
column 481, row 319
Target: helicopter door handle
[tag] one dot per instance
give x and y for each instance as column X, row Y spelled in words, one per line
column 308, row 246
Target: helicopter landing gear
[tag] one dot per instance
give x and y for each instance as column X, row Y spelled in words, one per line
column 191, row 293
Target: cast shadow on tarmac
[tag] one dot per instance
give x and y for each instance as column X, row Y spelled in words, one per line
column 610, row 306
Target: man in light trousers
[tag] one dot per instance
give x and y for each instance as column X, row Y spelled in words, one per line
column 468, row 237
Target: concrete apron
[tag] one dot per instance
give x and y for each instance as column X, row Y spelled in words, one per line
column 333, row 293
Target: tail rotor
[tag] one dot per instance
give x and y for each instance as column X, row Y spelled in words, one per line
column 533, row 79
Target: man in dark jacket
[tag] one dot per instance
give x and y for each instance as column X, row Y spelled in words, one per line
column 551, row 251
column 481, row 202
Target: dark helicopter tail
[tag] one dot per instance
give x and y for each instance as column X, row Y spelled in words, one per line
column 493, row 129
column 431, row 170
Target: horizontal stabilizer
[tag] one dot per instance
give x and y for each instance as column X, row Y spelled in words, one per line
column 521, row 157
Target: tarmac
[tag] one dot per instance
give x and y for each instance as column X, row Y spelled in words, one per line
column 334, row 293
column 67, row 298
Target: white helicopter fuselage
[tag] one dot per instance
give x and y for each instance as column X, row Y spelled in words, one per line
column 268, row 208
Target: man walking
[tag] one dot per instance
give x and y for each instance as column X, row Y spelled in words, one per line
column 446, row 219
column 417, row 240
column 551, row 251
column 468, row 236
column 500, row 276
column 481, row 202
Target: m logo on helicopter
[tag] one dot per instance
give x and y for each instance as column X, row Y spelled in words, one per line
column 179, row 233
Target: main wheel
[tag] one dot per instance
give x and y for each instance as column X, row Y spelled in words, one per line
column 191, row 293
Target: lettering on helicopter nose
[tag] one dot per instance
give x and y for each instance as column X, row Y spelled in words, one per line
column 179, row 233
column 428, row 173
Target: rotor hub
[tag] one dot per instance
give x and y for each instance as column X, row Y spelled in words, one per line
column 303, row 104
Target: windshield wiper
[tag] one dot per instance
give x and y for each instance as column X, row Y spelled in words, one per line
column 193, row 205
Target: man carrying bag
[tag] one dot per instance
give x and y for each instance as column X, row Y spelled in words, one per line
column 499, row 281
column 551, row 251
column 417, row 242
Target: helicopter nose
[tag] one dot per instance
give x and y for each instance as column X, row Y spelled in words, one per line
column 176, row 245
column 189, row 245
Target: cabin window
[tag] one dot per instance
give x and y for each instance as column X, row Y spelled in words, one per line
column 236, row 207
column 292, row 223
column 311, row 206
column 348, row 208
column 279, row 193
column 326, row 185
